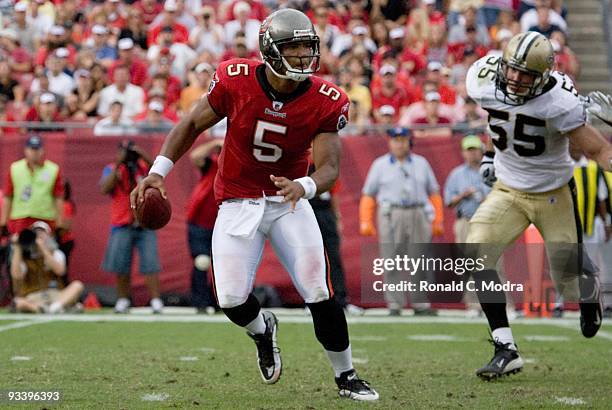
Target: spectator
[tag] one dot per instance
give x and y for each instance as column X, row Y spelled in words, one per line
column 64, row 235
column 394, row 12
column 208, row 35
column 474, row 117
column 40, row 20
column 59, row 82
column 183, row 16
column 87, row 96
column 357, row 35
column 135, row 29
column 435, row 76
column 565, row 59
column 505, row 21
column 201, row 216
column 243, row 24
column 165, row 79
column 360, row 97
column 400, row 185
column 432, row 119
column 544, row 26
column 56, row 39
column 239, row 50
column 46, row 112
column 200, row 80
column 118, row 180
column 40, row 86
column 19, row 58
column 458, row 32
column 437, row 49
column 180, row 54
column 389, row 93
column 326, row 31
column 130, row 95
column 26, row 32
column 257, row 10
column 154, row 120
column 9, row 87
column 127, row 57
column 33, row 190
column 149, row 9
column 158, row 93
column 105, row 54
column 530, row 17
column 168, row 19
column 386, row 115
column 37, row 266
column 115, row 124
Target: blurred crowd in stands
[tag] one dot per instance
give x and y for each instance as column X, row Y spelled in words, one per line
column 131, row 65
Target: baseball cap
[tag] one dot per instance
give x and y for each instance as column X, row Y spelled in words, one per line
column 125, row 43
column 471, row 141
column 386, row 110
column 387, row 69
column 46, row 98
column 21, row 6
column 62, row 52
column 434, row 66
column 34, row 142
column 57, row 30
column 398, row 132
column 156, row 106
column 359, row 31
column 397, row 32
column 43, row 226
column 432, row 96
column 170, row 5
column 82, row 73
column 99, row 29
column 503, row 34
column 200, row 68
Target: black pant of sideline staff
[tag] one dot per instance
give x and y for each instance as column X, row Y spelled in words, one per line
column 331, row 241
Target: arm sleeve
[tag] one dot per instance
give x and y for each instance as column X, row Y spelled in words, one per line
column 337, row 116
column 567, row 112
column 218, row 92
column 450, row 189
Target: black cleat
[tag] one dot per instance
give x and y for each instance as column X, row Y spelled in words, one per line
column 268, row 353
column 591, row 310
column 505, row 361
column 352, row 387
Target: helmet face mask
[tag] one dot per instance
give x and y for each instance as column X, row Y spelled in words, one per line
column 282, row 38
column 524, row 68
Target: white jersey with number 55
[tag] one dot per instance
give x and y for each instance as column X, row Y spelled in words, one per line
column 531, row 148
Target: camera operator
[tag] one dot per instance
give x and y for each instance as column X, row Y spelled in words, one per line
column 37, row 266
column 118, row 180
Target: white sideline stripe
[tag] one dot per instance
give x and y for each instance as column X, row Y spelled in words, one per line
column 155, row 397
column 529, row 360
column 360, row 360
column 188, row 359
column 546, row 338
column 207, row 350
column 369, row 338
column 18, row 325
column 572, row 401
column 20, row 358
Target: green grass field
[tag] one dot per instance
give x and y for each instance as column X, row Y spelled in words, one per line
column 119, row 365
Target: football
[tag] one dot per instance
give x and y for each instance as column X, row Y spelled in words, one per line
column 155, row 211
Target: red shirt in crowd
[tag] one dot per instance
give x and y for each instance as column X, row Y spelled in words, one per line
column 181, row 34
column 258, row 10
column 202, row 207
column 425, row 121
column 33, row 116
column 400, row 98
column 448, row 95
column 149, row 13
column 139, row 72
column 43, row 53
column 121, row 213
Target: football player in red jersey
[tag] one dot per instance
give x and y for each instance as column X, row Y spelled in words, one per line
column 276, row 111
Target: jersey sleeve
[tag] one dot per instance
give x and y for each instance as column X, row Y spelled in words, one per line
column 336, row 116
column 480, row 77
column 567, row 111
column 218, row 91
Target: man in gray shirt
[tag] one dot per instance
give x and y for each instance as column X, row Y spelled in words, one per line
column 401, row 185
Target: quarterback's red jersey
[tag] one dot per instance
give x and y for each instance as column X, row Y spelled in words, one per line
column 268, row 132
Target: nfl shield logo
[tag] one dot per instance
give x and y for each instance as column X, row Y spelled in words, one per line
column 277, row 105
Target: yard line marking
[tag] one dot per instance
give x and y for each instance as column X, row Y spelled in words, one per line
column 360, row 360
column 437, row 338
column 207, row 349
column 529, row 360
column 572, row 401
column 369, row 338
column 573, row 326
column 155, row 397
column 546, row 338
column 20, row 358
column 18, row 325
column 188, row 359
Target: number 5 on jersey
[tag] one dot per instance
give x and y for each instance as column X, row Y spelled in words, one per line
column 260, row 145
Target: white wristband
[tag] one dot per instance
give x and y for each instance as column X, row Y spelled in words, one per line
column 161, row 166
column 310, row 187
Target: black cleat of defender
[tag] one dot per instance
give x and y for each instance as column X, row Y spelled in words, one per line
column 268, row 353
column 505, row 361
column 591, row 311
column 352, row 387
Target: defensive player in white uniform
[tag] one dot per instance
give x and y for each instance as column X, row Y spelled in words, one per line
column 535, row 113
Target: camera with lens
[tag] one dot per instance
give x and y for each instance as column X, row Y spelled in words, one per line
column 27, row 243
column 131, row 156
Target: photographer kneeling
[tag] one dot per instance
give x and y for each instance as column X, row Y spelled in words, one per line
column 36, row 267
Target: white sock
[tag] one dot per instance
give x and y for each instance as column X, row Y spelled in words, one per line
column 341, row 361
column 257, row 326
column 504, row 335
